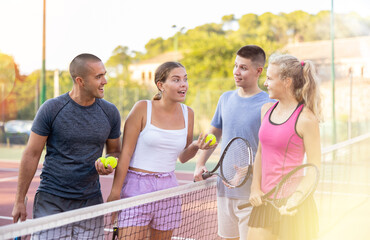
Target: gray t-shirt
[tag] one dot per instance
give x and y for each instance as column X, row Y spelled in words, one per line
column 238, row 117
column 76, row 138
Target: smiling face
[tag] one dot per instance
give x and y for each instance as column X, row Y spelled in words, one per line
column 245, row 72
column 175, row 86
column 94, row 79
column 276, row 87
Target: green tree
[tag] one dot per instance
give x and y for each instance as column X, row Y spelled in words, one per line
column 351, row 25
column 121, row 90
column 248, row 27
column 209, row 50
column 320, row 26
column 298, row 24
column 155, row 47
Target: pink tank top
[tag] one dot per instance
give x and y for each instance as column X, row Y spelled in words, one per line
column 282, row 148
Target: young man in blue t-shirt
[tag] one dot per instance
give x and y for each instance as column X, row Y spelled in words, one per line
column 75, row 128
column 238, row 114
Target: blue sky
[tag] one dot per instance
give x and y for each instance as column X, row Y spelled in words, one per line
column 98, row 26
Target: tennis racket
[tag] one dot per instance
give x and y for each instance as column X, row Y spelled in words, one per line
column 115, row 233
column 293, row 188
column 115, row 226
column 235, row 163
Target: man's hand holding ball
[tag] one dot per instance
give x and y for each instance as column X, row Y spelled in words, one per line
column 105, row 166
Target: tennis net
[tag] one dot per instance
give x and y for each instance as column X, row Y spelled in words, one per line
column 343, row 192
column 184, row 212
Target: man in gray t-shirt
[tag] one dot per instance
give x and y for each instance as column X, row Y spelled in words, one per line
column 75, row 127
column 238, row 114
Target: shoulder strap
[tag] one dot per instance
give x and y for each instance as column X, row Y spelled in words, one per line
column 148, row 112
column 268, row 113
column 186, row 114
column 296, row 115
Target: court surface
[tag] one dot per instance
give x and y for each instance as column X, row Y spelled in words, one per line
column 342, row 196
column 8, row 186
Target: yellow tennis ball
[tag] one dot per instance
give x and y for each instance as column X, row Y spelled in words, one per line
column 102, row 160
column 212, row 138
column 112, row 161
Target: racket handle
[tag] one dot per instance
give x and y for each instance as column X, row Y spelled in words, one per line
column 245, row 205
column 115, row 233
column 206, row 175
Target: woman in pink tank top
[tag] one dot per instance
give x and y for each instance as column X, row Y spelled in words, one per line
column 289, row 129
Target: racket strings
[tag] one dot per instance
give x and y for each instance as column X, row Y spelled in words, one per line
column 236, row 161
column 286, row 190
column 296, row 187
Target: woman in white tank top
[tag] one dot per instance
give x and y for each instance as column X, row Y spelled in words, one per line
column 156, row 134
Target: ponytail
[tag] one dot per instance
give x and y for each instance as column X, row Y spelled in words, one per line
column 310, row 92
column 158, row 96
column 305, row 80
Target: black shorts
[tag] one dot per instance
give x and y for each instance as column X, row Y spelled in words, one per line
column 303, row 225
column 47, row 204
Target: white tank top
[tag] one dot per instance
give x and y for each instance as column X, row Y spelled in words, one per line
column 157, row 149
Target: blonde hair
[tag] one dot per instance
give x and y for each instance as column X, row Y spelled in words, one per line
column 161, row 75
column 305, row 80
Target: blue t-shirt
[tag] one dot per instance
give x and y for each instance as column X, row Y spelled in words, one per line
column 76, row 138
column 238, row 117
